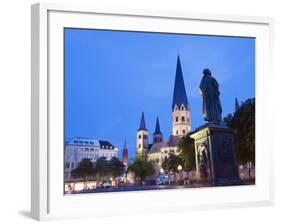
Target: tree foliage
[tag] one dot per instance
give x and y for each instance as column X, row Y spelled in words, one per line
column 116, row 167
column 243, row 123
column 142, row 168
column 102, row 168
column 84, row 169
column 187, row 147
column 172, row 162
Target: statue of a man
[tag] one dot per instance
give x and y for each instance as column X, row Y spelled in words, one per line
column 209, row 89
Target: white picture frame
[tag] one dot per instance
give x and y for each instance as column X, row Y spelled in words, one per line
column 48, row 201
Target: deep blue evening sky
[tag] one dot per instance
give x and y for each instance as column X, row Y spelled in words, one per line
column 111, row 77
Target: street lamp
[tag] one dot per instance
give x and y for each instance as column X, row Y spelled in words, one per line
column 179, row 169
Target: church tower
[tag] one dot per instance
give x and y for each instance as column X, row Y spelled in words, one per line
column 180, row 108
column 125, row 155
column 142, row 138
column 236, row 105
column 157, row 135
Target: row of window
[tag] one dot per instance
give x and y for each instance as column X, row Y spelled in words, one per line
column 83, row 142
column 69, row 165
column 171, row 151
column 182, row 119
column 181, row 108
column 183, row 132
column 144, row 136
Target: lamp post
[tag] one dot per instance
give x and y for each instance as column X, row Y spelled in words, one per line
column 179, row 169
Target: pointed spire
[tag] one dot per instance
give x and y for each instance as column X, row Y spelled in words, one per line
column 179, row 96
column 142, row 123
column 157, row 128
column 125, row 144
column 236, row 104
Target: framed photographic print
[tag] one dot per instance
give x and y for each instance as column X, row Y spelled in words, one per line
column 157, row 111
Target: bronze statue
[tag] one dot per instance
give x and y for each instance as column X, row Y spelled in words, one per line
column 209, row 89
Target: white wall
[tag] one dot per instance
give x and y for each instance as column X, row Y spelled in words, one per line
column 15, row 109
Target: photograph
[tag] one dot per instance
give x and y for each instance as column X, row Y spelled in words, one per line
column 157, row 111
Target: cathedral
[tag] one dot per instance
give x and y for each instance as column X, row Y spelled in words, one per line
column 159, row 149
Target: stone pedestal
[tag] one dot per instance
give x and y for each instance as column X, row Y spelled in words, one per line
column 215, row 155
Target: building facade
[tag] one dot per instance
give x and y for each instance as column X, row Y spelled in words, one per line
column 77, row 149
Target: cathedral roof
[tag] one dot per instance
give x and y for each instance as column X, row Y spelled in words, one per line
column 156, row 147
column 179, row 96
column 173, row 141
column 157, row 128
column 142, row 123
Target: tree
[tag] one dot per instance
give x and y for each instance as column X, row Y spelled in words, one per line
column 243, row 123
column 84, row 170
column 172, row 162
column 116, row 167
column 187, row 147
column 142, row 168
column 102, row 168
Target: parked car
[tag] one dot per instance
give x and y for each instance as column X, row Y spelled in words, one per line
column 162, row 180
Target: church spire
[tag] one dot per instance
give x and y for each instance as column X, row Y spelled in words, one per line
column 125, row 144
column 157, row 128
column 179, row 97
column 157, row 135
column 125, row 155
column 180, row 108
column 236, row 104
column 142, row 123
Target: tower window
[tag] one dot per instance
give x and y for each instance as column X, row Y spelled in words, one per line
column 139, row 136
column 177, row 118
column 183, row 119
column 177, row 132
column 139, row 145
column 144, row 136
column 183, row 131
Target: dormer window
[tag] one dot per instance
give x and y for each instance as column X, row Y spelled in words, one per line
column 182, row 107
